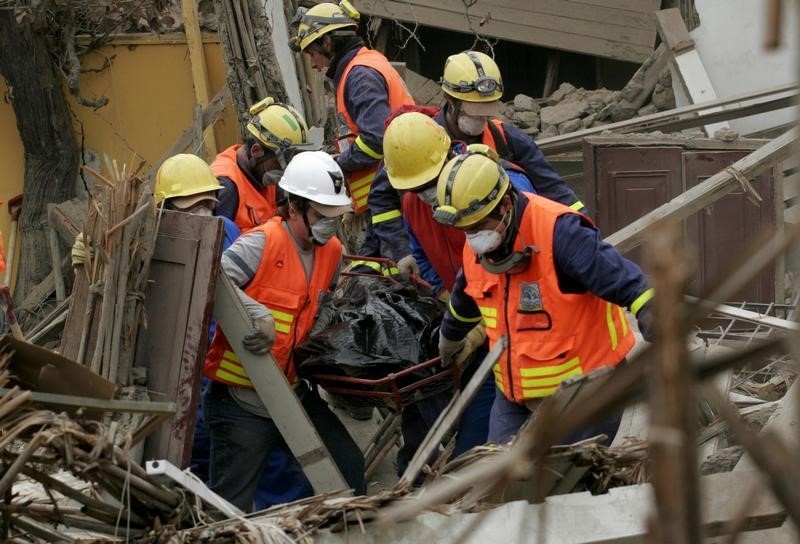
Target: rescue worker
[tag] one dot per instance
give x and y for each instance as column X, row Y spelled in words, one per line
column 281, row 267
column 185, row 183
column 417, row 149
column 473, row 86
column 368, row 89
column 249, row 172
column 537, row 272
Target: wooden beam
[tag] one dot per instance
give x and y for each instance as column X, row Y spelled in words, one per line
column 748, row 316
column 707, row 192
column 551, row 74
column 277, row 395
column 197, row 60
column 686, row 62
column 742, row 105
column 672, row 439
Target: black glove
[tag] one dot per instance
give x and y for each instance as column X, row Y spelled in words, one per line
column 646, row 320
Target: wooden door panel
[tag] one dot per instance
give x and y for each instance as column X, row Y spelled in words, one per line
column 721, row 232
column 634, row 181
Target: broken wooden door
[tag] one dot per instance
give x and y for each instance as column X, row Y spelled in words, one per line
column 630, row 176
column 178, row 305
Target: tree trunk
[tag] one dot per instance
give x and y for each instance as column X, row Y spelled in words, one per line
column 45, row 128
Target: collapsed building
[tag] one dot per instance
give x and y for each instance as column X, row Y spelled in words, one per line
column 99, row 388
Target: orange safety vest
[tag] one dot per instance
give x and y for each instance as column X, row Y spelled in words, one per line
column 279, row 284
column 360, row 181
column 552, row 335
column 256, row 206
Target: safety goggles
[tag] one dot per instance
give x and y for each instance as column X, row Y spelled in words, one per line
column 484, row 86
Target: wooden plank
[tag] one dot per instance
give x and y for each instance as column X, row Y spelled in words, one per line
column 451, row 414
column 633, row 5
column 551, row 74
column 679, row 118
column 95, row 404
column 557, row 39
column 425, row 91
column 197, row 61
column 277, row 395
column 177, row 307
column 535, row 20
column 676, row 140
column 686, row 62
column 708, row 191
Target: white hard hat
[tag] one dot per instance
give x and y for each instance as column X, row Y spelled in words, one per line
column 314, row 175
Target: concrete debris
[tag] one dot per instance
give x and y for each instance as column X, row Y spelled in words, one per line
column 726, row 134
column 570, row 108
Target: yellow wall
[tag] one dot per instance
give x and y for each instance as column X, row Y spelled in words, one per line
column 151, row 98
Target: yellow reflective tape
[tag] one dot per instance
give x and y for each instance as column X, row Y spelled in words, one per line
column 233, row 366
column 361, row 182
column 577, row 206
column 233, row 378
column 488, row 311
column 367, row 149
column 539, row 393
column 229, row 355
column 552, row 370
column 281, row 316
column 612, row 330
column 283, row 327
column 462, row 318
column 490, row 322
column 553, row 380
column 500, row 386
column 377, row 267
column 361, row 194
column 641, row 300
column 386, row 216
column 624, row 319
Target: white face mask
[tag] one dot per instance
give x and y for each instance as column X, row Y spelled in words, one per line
column 484, row 241
column 428, row 196
column 271, row 177
column 324, row 229
column 473, row 126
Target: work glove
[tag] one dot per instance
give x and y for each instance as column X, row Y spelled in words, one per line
column 457, row 351
column 646, row 321
column 444, row 296
column 262, row 338
column 407, row 266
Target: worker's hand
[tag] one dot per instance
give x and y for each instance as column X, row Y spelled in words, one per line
column 458, row 351
column 646, row 320
column 407, row 266
column 474, row 339
column 262, row 338
column 448, row 349
column 78, row 253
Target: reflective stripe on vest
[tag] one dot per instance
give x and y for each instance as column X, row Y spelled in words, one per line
column 360, row 181
column 255, row 206
column 553, row 336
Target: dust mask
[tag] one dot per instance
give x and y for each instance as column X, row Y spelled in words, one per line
column 484, row 241
column 472, row 126
column 271, row 177
column 324, row 229
column 429, row 196
column 203, row 210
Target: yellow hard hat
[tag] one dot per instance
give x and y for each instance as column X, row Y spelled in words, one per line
column 277, row 126
column 472, row 76
column 415, row 148
column 469, row 188
column 184, row 175
column 321, row 19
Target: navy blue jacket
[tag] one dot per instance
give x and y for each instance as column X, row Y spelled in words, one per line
column 583, row 262
column 526, row 154
column 366, row 98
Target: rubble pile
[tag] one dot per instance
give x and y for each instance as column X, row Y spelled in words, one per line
column 570, row 109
